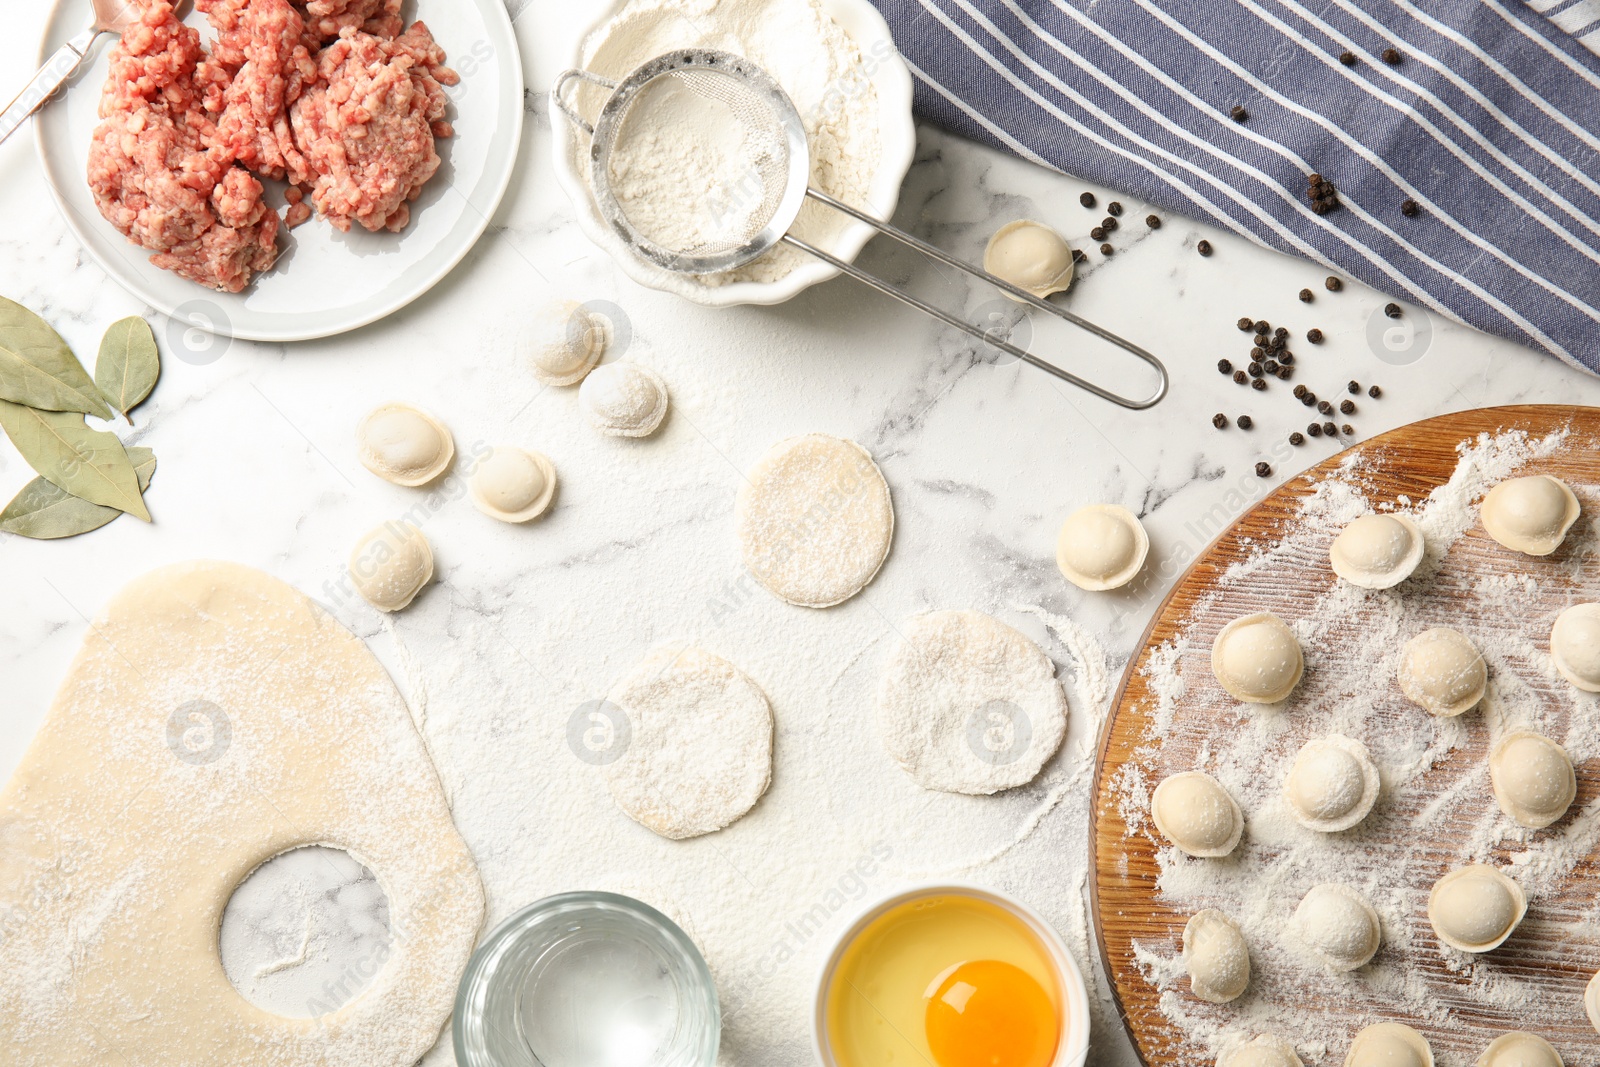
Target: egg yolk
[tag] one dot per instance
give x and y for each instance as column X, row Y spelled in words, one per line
column 986, row 1013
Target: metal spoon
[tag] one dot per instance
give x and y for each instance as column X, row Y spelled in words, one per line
column 110, row 16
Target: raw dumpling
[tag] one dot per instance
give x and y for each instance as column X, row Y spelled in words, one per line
column 1377, row 551
column 391, row 564
column 1217, row 957
column 1101, row 546
column 1267, row 1050
column 1389, row 1045
column 404, row 444
column 1531, row 514
column 1197, row 815
column 1591, row 1001
column 1339, row 926
column 1442, row 671
column 1519, row 1049
column 1575, row 646
column 1332, row 784
column 1031, row 256
column 1533, row 778
column 513, row 484
column 624, row 399
column 1257, row 659
column 565, row 342
column 1475, row 908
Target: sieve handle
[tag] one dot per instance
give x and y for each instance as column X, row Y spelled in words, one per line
column 976, row 331
column 559, row 91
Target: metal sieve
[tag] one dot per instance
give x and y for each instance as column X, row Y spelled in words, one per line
column 754, row 213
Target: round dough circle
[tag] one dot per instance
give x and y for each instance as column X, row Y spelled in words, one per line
column 624, row 399
column 564, row 342
column 1377, row 551
column 1532, row 778
column 699, row 752
column 1530, row 515
column 513, row 484
column 1519, row 1049
column 1265, row 1050
column 404, row 444
column 1215, row 953
column 1257, row 659
column 390, row 565
column 1389, row 1045
column 814, row 520
column 966, row 704
column 1031, row 256
column 1197, row 814
column 1332, row 784
column 1575, row 646
column 1474, row 909
column 1442, row 671
column 1339, row 926
column 1101, row 546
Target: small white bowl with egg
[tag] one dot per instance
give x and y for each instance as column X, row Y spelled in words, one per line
column 632, row 31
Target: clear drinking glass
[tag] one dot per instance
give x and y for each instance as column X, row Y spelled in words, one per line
column 587, row 980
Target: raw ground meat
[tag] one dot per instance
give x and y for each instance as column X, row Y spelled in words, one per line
column 367, row 128
column 352, row 124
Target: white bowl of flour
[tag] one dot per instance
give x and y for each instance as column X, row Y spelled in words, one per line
column 834, row 58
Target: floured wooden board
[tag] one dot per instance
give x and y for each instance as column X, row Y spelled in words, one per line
column 1436, row 811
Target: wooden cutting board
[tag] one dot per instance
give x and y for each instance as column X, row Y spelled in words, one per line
column 1557, row 948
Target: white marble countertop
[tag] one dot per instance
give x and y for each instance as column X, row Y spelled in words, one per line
column 257, row 465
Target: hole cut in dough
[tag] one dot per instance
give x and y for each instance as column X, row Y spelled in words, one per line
column 305, row 932
column 1102, row 546
column 1533, row 779
column 1530, row 515
column 1332, row 784
column 1519, row 1049
column 1389, row 1045
column 1475, row 908
column 1217, row 957
column 404, row 444
column 699, row 751
column 814, row 520
column 1442, row 672
column 1265, row 1050
column 1339, row 926
column 1377, row 551
column 1257, row 659
column 966, row 704
column 1031, row 256
column 564, row 342
column 1197, row 814
column 1575, row 646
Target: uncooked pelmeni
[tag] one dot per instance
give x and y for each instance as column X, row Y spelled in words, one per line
column 1265, row 1050
column 624, row 399
column 564, row 342
column 1532, row 777
column 1195, row 813
column 1377, row 551
column 1442, row 671
column 966, row 704
column 1530, row 515
column 699, row 749
column 1332, row 784
column 1101, row 546
column 814, row 520
column 391, row 564
column 1476, row 908
column 1031, row 256
column 1339, row 926
column 404, row 444
column 1257, row 659
column 513, row 484
column 1575, row 646
column 1520, row 1049
column 1389, row 1045
column 1215, row 953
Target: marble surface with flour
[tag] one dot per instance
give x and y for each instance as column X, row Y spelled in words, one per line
column 525, row 625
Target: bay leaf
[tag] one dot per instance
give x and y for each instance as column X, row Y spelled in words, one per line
column 37, row 368
column 44, row 511
column 128, row 364
column 91, row 464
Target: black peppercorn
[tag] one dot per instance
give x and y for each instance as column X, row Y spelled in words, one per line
column 1329, row 429
column 1281, row 331
column 1263, row 470
column 1314, row 335
column 1314, row 178
column 1258, row 353
column 1347, row 58
column 1325, row 407
column 1314, row 430
column 1225, row 366
column 1390, row 56
column 1286, row 357
column 1255, row 370
column 1097, row 234
column 1114, row 208
column 1333, row 284
column 1300, row 391
column 1347, row 407
column 1079, row 255
column 1347, row 430
column 1258, row 384
column 1309, row 398
column 1409, row 208
column 1297, row 438
column 1284, row 373
column 1374, row 392
column 1220, row 421
column 1320, row 208
column 1106, row 250
column 1392, row 310
column 1240, row 377
column 1354, row 388
column 1246, row 324
column 1244, row 422
column 1109, row 223
column 1263, row 326
column 1086, row 199
column 1238, row 113
column 1306, row 296
column 1204, row 248
column 1270, row 366
column 1153, row 222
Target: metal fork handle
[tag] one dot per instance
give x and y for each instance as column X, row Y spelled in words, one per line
column 56, row 70
column 976, row 331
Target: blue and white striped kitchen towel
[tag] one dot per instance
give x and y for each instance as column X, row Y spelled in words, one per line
column 1490, row 122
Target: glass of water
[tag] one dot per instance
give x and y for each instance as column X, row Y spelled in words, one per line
column 587, row 980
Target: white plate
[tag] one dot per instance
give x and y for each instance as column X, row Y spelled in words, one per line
column 897, row 138
column 325, row 282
